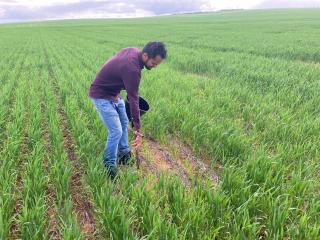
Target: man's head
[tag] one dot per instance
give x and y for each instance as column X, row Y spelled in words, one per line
column 153, row 53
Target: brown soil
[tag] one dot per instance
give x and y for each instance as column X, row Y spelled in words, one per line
column 163, row 161
column 81, row 206
column 200, row 165
column 14, row 231
column 50, row 197
column 177, row 159
column 51, row 214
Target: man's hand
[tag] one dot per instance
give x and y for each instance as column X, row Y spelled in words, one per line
column 137, row 140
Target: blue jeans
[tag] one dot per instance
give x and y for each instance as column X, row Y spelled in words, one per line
column 114, row 117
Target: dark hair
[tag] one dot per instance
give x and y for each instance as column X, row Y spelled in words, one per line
column 154, row 49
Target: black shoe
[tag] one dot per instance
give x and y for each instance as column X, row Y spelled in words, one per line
column 112, row 172
column 125, row 159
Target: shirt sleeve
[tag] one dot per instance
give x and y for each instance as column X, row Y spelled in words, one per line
column 131, row 80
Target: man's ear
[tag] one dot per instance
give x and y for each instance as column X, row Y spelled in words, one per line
column 145, row 56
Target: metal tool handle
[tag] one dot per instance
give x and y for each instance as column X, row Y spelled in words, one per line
column 137, row 159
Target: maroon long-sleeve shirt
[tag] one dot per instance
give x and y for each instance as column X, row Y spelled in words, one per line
column 121, row 72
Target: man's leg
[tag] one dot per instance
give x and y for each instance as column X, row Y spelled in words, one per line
column 123, row 147
column 111, row 120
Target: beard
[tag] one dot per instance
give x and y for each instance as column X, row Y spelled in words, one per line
column 146, row 66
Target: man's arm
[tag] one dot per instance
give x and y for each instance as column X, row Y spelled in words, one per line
column 131, row 80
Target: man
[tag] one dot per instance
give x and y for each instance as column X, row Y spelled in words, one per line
column 122, row 72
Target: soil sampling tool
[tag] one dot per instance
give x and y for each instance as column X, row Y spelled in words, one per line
column 143, row 107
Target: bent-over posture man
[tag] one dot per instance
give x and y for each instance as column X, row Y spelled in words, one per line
column 122, row 72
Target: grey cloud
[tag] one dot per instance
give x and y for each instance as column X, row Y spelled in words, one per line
column 18, row 12
column 12, row 10
column 21, row 12
column 289, row 4
column 169, row 6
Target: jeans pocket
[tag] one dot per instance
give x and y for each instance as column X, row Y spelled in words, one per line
column 101, row 104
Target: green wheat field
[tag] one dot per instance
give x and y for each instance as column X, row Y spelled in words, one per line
column 238, row 94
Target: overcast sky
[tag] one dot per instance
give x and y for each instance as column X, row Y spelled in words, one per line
column 31, row 10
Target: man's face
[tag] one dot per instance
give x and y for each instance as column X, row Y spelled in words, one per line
column 150, row 63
